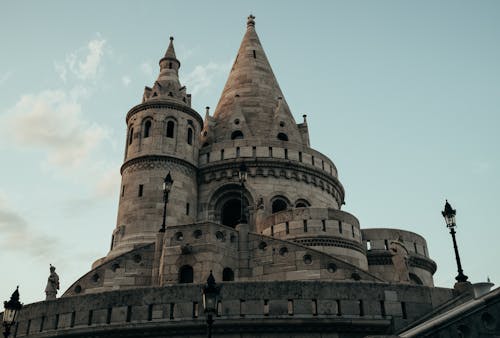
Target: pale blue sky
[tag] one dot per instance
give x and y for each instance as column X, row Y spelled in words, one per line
column 404, row 96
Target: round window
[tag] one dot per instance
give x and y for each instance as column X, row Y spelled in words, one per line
column 197, row 234
column 284, row 251
column 308, row 259
column 332, row 267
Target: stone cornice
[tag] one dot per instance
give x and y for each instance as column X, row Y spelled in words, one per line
column 383, row 257
column 330, row 241
column 273, row 164
column 159, row 103
column 157, row 158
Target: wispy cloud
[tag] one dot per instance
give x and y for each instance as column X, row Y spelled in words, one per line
column 126, row 80
column 18, row 235
column 52, row 120
column 5, row 77
column 146, row 68
column 202, row 76
column 84, row 63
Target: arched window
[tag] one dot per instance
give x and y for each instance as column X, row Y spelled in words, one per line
column 279, row 205
column 302, row 204
column 170, row 129
column 190, row 136
column 237, row 134
column 282, row 137
column 186, row 274
column 227, row 275
column 130, row 135
column 415, row 279
column 147, row 128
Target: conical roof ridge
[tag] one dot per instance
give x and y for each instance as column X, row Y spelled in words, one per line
column 251, row 89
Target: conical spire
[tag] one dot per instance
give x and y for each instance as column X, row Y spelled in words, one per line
column 170, row 55
column 252, row 89
column 167, row 85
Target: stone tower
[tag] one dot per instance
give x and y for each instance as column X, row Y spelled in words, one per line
column 162, row 137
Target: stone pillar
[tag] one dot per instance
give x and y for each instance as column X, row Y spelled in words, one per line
column 157, row 264
column 243, row 250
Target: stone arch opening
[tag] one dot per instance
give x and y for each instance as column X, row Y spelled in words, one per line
column 236, row 135
column 225, row 204
column 279, row 203
column 227, row 275
column 231, row 212
column 186, row 274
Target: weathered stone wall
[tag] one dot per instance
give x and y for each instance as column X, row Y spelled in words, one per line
column 258, row 309
column 378, row 241
column 332, row 231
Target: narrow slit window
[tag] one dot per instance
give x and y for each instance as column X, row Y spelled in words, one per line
column 150, row 312
column 290, row 307
column 305, row 225
column 123, row 190
column 266, row 307
column 415, row 247
column 386, row 244
column 187, row 208
column 312, row 160
column 237, row 151
column 141, row 190
column 339, row 308
column 272, row 230
column 242, row 308
column 403, row 310
column 382, row 308
column 208, row 157
column 270, row 151
column 254, row 151
column 287, row 228
column 131, row 136
column 254, row 54
column 323, row 225
column 368, row 245
column 147, row 128
column 314, row 307
column 129, row 314
column 108, row 316
column 352, row 231
column 56, row 322
column 340, row 226
column 286, row 154
column 222, row 154
column 172, row 309
column 190, row 136
column 195, row 309
column 361, row 308
column 91, row 314
column 300, row 156
column 170, row 129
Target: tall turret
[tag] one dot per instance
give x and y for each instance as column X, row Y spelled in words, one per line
column 162, row 137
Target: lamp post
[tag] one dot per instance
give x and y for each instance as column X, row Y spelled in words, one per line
column 12, row 308
column 449, row 216
column 167, row 186
column 211, row 294
column 242, row 175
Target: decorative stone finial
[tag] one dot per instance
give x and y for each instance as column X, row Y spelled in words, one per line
column 207, row 111
column 305, row 118
column 251, row 21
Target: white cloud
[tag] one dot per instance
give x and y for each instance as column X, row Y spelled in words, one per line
column 17, row 235
column 201, row 76
column 52, row 120
column 126, row 80
column 146, row 68
column 85, row 63
column 5, row 77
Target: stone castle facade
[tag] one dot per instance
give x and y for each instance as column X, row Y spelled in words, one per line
column 298, row 267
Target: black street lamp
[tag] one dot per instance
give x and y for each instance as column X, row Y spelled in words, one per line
column 449, row 216
column 211, row 294
column 242, row 175
column 167, row 186
column 12, row 308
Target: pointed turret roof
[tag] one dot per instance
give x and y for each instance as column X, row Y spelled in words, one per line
column 252, row 90
column 167, row 85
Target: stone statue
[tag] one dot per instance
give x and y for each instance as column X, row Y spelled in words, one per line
column 400, row 261
column 52, row 284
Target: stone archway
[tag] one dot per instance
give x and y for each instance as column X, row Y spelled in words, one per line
column 226, row 204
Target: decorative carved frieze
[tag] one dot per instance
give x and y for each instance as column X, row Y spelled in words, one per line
column 153, row 162
column 331, row 241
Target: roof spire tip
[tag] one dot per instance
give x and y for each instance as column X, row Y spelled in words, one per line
column 251, row 21
column 171, row 38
